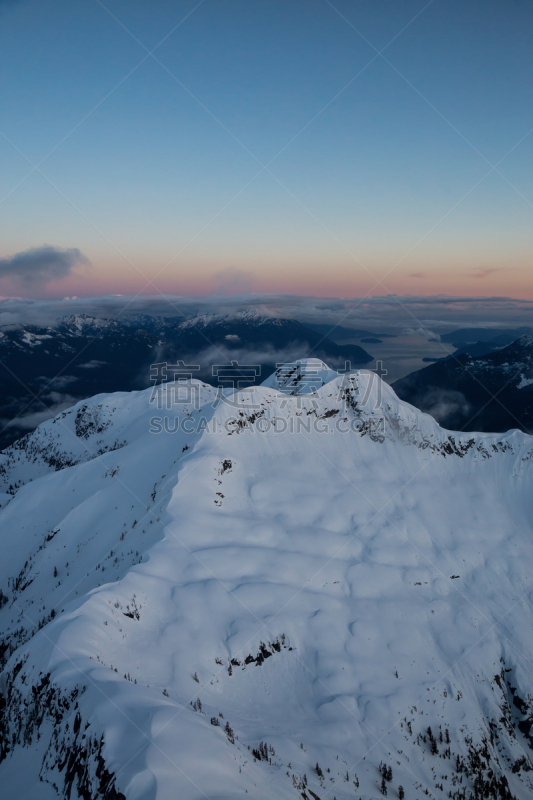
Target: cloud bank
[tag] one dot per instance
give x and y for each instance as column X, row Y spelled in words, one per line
column 434, row 315
column 40, row 265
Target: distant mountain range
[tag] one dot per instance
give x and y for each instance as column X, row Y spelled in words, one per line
column 480, row 341
column 499, row 337
column 492, row 392
column 43, row 367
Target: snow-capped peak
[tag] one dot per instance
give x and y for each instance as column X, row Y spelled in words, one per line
column 304, row 376
column 82, row 322
column 263, row 595
column 246, row 316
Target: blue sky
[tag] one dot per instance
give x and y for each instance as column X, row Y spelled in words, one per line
column 273, row 139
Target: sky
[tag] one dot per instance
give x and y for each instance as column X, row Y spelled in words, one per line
column 352, row 148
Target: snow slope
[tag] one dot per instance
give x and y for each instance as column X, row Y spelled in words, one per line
column 331, row 577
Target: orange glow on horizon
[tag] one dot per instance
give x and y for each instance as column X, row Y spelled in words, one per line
column 319, row 281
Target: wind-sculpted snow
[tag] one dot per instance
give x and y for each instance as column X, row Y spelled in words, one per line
column 267, row 595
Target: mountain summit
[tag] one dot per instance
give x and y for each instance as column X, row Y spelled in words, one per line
column 50, row 368
column 269, row 594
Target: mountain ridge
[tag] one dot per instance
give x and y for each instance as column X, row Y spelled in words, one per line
column 466, row 392
column 45, row 367
column 308, row 579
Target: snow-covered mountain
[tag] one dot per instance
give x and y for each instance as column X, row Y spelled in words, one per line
column 268, row 595
column 490, row 392
column 43, row 368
